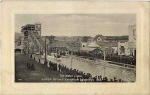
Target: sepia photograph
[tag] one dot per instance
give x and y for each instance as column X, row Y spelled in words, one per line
column 75, row 48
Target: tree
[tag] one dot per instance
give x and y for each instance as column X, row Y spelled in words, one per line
column 85, row 38
column 51, row 38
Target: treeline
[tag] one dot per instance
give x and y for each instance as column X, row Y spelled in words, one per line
column 109, row 57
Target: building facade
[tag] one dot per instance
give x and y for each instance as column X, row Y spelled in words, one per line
column 132, row 39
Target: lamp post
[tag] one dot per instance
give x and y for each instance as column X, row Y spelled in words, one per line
column 104, row 55
column 71, row 59
column 28, row 46
column 45, row 53
column 104, row 71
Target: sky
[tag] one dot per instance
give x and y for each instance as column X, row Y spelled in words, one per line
column 78, row 24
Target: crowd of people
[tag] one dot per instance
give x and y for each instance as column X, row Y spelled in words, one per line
column 70, row 74
column 78, row 76
column 109, row 57
column 30, row 66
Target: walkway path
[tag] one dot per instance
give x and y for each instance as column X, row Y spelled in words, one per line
column 40, row 74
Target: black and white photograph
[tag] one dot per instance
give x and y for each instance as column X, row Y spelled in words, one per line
column 75, row 48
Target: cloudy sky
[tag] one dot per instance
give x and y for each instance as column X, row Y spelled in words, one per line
column 78, row 24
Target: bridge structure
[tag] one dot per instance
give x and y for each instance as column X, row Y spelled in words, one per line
column 33, row 42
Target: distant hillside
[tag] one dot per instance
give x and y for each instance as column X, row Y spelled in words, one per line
column 70, row 39
column 65, row 38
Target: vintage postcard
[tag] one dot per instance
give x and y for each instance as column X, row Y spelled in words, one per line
column 101, row 47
